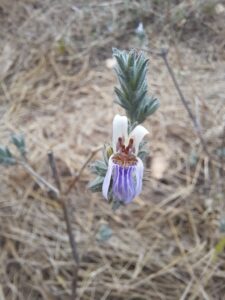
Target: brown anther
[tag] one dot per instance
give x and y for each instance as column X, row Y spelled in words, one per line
column 130, row 146
column 131, row 142
column 122, row 148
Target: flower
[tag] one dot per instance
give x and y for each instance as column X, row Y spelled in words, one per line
column 140, row 30
column 125, row 168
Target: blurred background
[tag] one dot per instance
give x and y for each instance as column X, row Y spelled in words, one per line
column 56, row 86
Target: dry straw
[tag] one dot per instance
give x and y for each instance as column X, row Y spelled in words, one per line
column 55, row 87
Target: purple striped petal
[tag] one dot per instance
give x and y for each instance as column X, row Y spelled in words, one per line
column 127, row 181
column 124, row 184
column 130, row 183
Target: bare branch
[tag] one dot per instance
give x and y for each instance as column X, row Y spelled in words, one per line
column 66, row 211
column 163, row 54
column 76, row 178
column 61, row 197
column 55, row 173
column 39, row 179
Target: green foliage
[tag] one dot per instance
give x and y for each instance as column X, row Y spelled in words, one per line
column 61, row 46
column 19, row 141
column 193, row 159
column 132, row 95
column 220, row 246
column 99, row 167
column 143, row 151
column 96, row 184
column 6, row 157
column 209, row 8
column 116, row 204
column 104, row 233
column 220, row 152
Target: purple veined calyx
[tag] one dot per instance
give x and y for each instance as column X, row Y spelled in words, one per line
column 125, row 168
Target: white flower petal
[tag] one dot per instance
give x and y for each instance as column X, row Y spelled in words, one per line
column 120, row 129
column 139, row 171
column 106, row 182
column 137, row 135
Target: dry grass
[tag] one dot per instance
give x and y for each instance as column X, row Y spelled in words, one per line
column 56, row 88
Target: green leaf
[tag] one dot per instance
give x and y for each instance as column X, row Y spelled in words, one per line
column 116, row 204
column 104, row 233
column 99, row 167
column 19, row 141
column 6, row 156
column 143, row 151
column 148, row 107
column 193, row 159
column 132, row 92
column 96, row 184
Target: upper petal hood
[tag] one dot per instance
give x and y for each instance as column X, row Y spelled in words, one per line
column 137, row 135
column 120, row 129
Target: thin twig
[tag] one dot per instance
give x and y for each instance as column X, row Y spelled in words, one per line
column 66, row 211
column 55, row 173
column 221, row 172
column 76, row 178
column 222, row 160
column 62, row 198
column 163, row 54
column 58, row 192
column 39, row 179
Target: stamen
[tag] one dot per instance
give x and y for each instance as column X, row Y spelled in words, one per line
column 130, row 146
column 120, row 141
column 124, row 156
column 131, row 142
column 119, row 144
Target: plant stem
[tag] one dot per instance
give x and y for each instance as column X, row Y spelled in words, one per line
column 163, row 54
column 39, row 179
column 66, row 211
column 76, row 178
column 58, row 193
